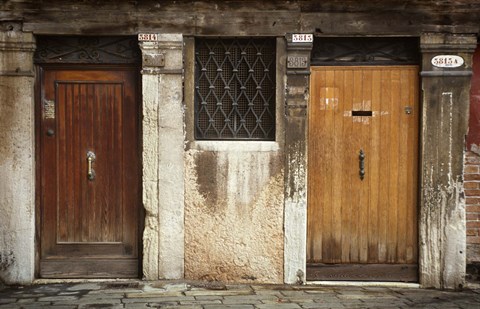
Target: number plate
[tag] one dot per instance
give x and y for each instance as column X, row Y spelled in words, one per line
column 296, row 62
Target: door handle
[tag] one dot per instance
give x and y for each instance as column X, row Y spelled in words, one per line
column 361, row 159
column 90, row 171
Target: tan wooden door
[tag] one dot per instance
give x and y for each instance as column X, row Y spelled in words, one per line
column 363, row 227
column 89, row 173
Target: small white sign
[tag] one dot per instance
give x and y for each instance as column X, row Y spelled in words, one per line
column 447, row 61
column 302, row 38
column 148, row 37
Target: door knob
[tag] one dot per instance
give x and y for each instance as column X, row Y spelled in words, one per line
column 50, row 132
column 90, row 160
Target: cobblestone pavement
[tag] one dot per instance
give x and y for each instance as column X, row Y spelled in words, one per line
column 142, row 294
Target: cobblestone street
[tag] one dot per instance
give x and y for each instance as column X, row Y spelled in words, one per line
column 168, row 294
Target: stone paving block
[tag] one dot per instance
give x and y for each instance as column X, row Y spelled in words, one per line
column 323, row 291
column 239, row 298
column 274, row 306
column 7, row 300
column 29, row 295
column 8, row 306
column 35, row 305
column 85, row 286
column 72, row 293
column 162, row 304
column 228, row 306
column 96, row 306
column 322, row 306
column 115, row 291
column 154, row 294
column 57, row 298
column 168, row 286
column 300, row 300
column 87, row 300
column 136, row 306
column 182, row 307
column 200, row 302
column 156, row 299
column 26, row 300
column 103, row 296
column 218, row 292
column 209, row 297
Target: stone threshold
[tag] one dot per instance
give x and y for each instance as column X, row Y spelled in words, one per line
column 364, row 284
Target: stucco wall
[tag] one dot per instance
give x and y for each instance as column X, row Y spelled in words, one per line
column 17, row 200
column 234, row 212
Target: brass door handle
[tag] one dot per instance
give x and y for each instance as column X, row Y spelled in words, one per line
column 90, row 171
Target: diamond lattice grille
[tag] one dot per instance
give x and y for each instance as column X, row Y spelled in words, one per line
column 235, row 89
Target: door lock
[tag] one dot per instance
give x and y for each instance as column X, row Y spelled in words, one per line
column 408, row 110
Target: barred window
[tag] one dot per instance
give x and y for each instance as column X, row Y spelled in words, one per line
column 235, row 89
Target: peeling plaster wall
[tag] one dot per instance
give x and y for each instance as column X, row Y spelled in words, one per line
column 442, row 231
column 17, row 193
column 234, row 214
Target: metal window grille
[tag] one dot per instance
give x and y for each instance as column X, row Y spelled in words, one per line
column 235, row 89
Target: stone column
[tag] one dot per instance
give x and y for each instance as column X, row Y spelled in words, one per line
column 297, row 96
column 17, row 157
column 444, row 126
column 163, row 173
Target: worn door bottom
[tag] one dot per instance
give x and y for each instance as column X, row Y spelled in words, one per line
column 363, row 272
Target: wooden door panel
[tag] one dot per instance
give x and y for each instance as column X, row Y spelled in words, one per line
column 94, row 219
column 369, row 221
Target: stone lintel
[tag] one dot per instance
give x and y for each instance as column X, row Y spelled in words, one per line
column 447, row 42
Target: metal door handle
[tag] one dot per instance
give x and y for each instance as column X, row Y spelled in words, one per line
column 361, row 158
column 90, row 171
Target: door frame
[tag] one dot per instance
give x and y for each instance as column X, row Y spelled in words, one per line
column 444, row 103
column 383, row 271
column 39, row 68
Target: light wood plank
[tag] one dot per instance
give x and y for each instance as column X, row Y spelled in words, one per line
column 347, row 199
column 338, row 180
column 375, row 166
column 371, row 221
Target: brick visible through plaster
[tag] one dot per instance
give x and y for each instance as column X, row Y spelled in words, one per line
column 472, row 192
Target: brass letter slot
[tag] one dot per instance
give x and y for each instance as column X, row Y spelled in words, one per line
column 362, row 113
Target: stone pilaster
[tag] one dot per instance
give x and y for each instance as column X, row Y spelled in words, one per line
column 17, row 171
column 297, row 96
column 163, row 173
column 444, row 126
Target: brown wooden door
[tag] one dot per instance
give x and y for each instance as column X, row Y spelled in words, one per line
column 363, row 229
column 89, row 208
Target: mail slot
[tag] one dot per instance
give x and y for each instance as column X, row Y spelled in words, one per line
column 362, row 113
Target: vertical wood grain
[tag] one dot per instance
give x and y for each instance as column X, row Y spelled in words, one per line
column 374, row 220
column 81, row 218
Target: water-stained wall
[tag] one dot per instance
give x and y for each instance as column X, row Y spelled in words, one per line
column 234, row 213
column 234, row 197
